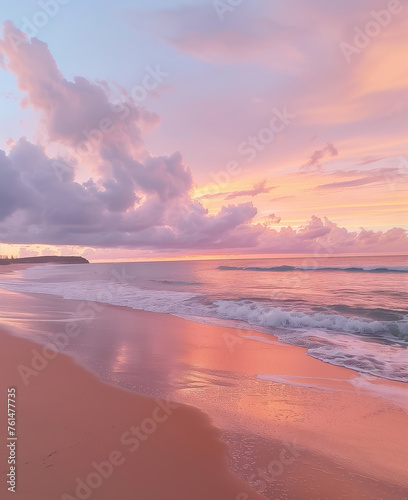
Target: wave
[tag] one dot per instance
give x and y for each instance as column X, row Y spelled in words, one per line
column 353, row 269
column 329, row 336
column 265, row 315
column 253, row 312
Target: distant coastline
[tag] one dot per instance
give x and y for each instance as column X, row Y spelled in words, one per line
column 52, row 259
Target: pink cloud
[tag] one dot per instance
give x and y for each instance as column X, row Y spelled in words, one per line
column 257, row 189
column 197, row 30
column 68, row 213
column 273, row 219
column 78, row 114
column 329, row 151
column 134, row 199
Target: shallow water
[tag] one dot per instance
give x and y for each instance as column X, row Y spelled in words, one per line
column 348, row 311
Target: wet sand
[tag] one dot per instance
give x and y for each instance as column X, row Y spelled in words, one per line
column 313, row 431
column 78, row 437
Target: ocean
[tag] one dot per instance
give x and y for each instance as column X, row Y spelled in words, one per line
column 347, row 311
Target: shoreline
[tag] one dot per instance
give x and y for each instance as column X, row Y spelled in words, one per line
column 215, row 379
column 360, row 338
column 69, row 442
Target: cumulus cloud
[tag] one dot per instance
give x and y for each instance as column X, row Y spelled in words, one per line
column 39, row 208
column 76, row 113
column 132, row 199
column 135, row 199
column 321, row 236
column 271, row 220
column 274, row 219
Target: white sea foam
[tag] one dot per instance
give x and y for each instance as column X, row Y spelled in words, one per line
column 395, row 395
column 329, row 337
column 350, row 351
column 177, row 302
column 262, row 314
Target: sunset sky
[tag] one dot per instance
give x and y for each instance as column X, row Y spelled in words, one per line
column 134, row 129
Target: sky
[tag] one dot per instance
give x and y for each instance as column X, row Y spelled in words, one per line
column 226, row 127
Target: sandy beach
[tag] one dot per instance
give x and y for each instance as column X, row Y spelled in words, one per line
column 78, row 437
column 295, row 427
column 204, row 250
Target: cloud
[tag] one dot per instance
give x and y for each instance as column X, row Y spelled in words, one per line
column 197, row 31
column 13, row 194
column 133, row 199
column 315, row 228
column 347, row 184
column 258, row 188
column 367, row 160
column 273, row 219
column 366, row 177
column 328, row 151
column 78, row 114
column 69, row 213
column 322, row 237
column 287, row 51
